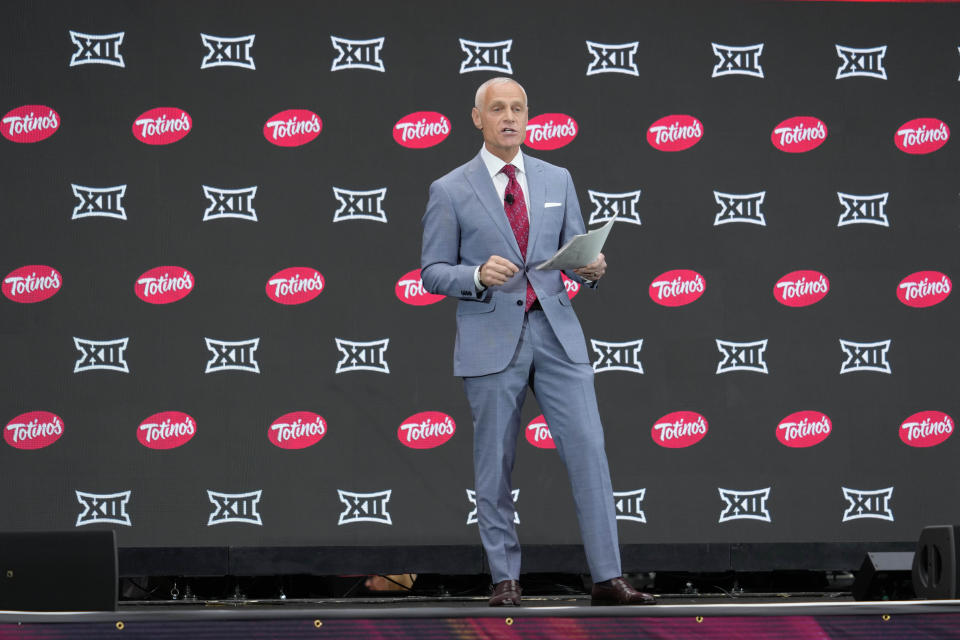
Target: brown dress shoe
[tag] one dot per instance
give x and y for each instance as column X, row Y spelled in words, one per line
column 618, row 591
column 506, row 594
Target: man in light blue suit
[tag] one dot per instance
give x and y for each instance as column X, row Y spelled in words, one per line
column 488, row 224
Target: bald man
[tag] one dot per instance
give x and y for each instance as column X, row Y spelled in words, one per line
column 488, row 223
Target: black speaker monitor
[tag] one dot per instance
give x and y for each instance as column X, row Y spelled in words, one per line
column 936, row 565
column 884, row 575
column 58, row 571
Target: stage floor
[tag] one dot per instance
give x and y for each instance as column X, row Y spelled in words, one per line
column 787, row 617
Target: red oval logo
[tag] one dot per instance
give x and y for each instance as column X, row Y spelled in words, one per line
column 33, row 430
column 801, row 288
column 538, row 433
column 30, row 123
column 409, row 290
column 295, row 285
column 162, row 125
column 426, row 430
column 421, row 129
column 166, row 430
column 679, row 429
column 32, row 283
column 297, row 430
column 550, row 131
column 924, row 289
column 677, row 287
column 921, row 136
column 675, row 133
column 292, row 127
column 804, row 429
column 799, row 134
column 163, row 285
column 572, row 286
column 926, row 429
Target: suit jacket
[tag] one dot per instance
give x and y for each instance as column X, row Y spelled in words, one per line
column 464, row 225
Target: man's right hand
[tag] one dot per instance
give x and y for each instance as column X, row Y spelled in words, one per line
column 497, row 271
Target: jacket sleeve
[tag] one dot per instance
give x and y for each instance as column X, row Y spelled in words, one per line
column 573, row 225
column 440, row 267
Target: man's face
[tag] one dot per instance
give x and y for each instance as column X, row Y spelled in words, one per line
column 502, row 117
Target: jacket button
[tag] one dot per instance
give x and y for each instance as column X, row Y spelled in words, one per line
column 519, row 302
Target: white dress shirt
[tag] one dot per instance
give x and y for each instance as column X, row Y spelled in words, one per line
column 494, row 166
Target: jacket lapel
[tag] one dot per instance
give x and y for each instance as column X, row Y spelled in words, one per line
column 536, row 185
column 482, row 185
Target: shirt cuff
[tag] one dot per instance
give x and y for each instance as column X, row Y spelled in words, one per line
column 476, row 280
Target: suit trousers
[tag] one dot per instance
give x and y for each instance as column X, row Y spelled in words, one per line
column 565, row 392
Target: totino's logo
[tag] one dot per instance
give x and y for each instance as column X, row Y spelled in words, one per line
column 167, row 430
column 921, row 136
column 801, row 288
column 297, row 430
column 32, row 283
column 799, row 134
column 426, row 430
column 295, row 285
column 163, row 285
column 421, row 129
column 804, row 429
column 538, row 433
column 675, row 133
column 409, row 290
column 162, row 125
column 30, row 123
column 679, row 429
column 33, row 430
column 677, row 287
column 924, row 289
column 292, row 128
column 572, row 286
column 550, row 131
column 926, row 429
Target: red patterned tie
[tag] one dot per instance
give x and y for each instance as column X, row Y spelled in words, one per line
column 516, row 209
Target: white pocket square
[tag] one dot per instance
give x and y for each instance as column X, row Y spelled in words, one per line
column 551, row 204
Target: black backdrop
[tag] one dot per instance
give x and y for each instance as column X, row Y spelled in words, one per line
column 361, row 260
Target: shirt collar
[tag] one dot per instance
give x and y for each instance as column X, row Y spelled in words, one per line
column 495, row 164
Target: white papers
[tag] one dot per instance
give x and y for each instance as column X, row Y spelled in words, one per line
column 581, row 250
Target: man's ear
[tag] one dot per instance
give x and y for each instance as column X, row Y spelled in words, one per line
column 475, row 114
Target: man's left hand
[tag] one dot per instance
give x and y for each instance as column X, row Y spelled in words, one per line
column 593, row 271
